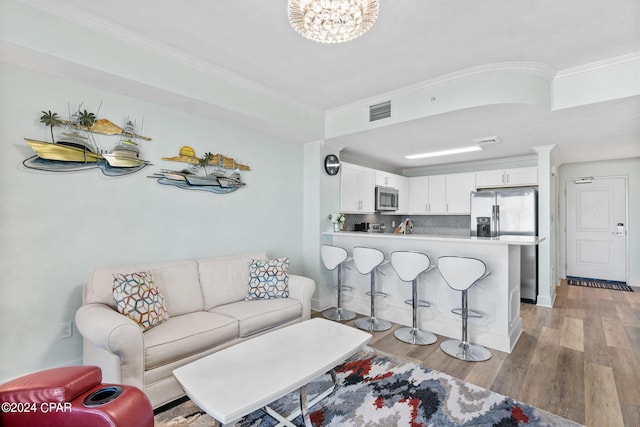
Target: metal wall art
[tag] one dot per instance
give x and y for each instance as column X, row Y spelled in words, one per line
column 212, row 172
column 76, row 149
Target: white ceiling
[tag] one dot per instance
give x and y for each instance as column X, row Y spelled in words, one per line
column 413, row 41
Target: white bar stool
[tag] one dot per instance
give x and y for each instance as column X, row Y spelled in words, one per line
column 461, row 273
column 335, row 257
column 368, row 261
column 408, row 266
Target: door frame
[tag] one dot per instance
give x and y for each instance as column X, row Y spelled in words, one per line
column 626, row 214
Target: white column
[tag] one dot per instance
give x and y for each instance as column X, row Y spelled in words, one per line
column 547, row 271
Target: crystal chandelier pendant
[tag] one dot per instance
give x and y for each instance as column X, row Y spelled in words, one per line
column 332, row 21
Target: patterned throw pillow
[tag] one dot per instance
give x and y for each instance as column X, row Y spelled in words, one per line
column 268, row 279
column 139, row 298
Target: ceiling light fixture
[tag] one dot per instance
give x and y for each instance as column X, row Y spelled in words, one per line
column 332, row 21
column 445, row 152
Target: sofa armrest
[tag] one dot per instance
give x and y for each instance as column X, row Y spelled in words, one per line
column 112, row 334
column 302, row 289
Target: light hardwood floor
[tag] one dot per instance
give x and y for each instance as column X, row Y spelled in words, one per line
column 579, row 360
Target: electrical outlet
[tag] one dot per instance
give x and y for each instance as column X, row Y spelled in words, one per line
column 66, row 330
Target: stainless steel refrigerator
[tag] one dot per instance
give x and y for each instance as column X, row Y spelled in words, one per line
column 510, row 212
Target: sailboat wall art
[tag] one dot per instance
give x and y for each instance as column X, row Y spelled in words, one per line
column 75, row 148
column 211, row 172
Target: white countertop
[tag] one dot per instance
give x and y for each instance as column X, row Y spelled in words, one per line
column 501, row 240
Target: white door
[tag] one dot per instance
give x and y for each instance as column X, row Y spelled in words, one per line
column 597, row 228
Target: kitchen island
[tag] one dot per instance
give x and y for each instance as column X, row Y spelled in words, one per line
column 497, row 297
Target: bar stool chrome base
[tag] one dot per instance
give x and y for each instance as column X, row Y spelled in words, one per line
column 468, row 352
column 338, row 314
column 373, row 324
column 415, row 336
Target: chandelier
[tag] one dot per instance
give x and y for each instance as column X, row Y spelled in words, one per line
column 332, row 21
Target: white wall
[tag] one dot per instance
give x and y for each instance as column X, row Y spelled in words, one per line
column 322, row 197
column 87, row 52
column 622, row 167
column 54, row 227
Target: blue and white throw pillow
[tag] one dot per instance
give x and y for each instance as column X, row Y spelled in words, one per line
column 268, row 279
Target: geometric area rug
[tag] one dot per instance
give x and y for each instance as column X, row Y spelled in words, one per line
column 376, row 389
column 595, row 283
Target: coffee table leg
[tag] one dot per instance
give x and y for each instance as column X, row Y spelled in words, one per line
column 304, row 405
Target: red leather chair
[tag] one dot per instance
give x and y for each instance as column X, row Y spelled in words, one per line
column 72, row 397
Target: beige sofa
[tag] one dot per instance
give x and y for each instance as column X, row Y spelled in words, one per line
column 205, row 300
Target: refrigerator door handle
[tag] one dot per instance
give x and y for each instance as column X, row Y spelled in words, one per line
column 495, row 220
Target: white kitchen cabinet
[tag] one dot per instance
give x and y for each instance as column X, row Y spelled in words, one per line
column 441, row 194
column 385, row 179
column 419, row 195
column 437, row 194
column 507, row 177
column 427, row 195
column 522, row 176
column 357, row 188
column 403, row 195
column 458, row 189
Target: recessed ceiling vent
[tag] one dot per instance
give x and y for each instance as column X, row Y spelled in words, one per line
column 380, row 111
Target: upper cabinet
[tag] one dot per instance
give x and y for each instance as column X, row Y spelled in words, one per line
column 357, row 189
column 441, row 194
column 507, row 177
column 458, row 189
column 419, row 195
column 437, row 194
column 403, row 196
column 424, row 195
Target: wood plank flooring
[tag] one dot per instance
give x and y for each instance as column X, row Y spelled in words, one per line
column 579, row 360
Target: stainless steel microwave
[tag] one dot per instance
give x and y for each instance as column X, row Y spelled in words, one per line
column 386, row 199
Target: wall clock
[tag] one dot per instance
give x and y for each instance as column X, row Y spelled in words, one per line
column 331, row 164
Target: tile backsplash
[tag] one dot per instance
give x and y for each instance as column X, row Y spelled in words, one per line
column 437, row 225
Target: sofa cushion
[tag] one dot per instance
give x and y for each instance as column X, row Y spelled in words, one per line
column 185, row 335
column 260, row 315
column 178, row 282
column 268, row 279
column 225, row 279
column 138, row 298
column 180, row 285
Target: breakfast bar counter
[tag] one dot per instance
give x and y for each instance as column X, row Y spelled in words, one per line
column 497, row 297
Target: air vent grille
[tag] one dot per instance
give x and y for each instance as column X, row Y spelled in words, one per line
column 380, row 111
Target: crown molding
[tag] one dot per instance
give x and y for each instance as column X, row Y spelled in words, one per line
column 529, row 68
column 476, row 165
column 138, row 40
column 533, row 68
column 599, row 65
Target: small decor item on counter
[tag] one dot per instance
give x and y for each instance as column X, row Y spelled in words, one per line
column 338, row 220
column 213, row 172
column 408, row 226
column 405, row 228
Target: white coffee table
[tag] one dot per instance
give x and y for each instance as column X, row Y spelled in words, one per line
column 238, row 380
